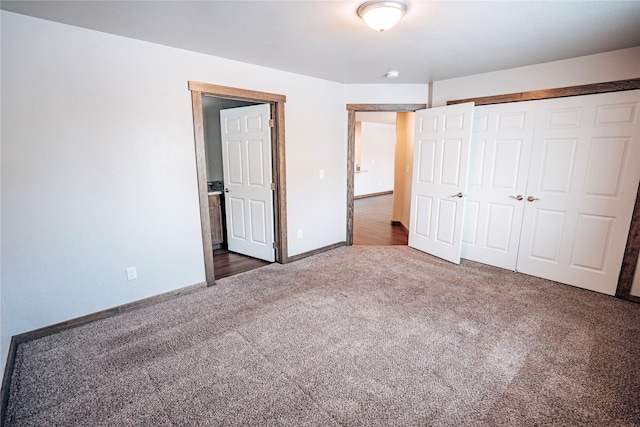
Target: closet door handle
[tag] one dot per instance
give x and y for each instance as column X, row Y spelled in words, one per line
column 457, row 195
column 226, row 190
column 518, row 197
column 531, row 199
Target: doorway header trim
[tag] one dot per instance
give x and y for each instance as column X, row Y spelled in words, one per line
column 235, row 93
column 561, row 92
column 395, row 108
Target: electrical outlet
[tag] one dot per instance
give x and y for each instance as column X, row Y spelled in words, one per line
column 132, row 274
column 299, row 234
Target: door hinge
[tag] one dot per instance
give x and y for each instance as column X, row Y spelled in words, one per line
column 273, row 186
column 271, row 123
column 274, row 245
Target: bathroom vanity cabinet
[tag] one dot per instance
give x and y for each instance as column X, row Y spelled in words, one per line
column 215, row 216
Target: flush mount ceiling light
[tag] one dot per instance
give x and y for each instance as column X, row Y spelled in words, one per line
column 381, row 15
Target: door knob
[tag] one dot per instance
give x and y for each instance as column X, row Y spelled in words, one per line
column 531, row 198
column 457, row 195
column 226, row 190
column 518, row 197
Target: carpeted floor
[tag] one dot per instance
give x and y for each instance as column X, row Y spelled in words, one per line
column 359, row 335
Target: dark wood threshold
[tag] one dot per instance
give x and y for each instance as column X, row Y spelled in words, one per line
column 230, row 263
column 316, row 251
column 364, row 196
column 561, row 92
column 16, row 340
column 401, row 225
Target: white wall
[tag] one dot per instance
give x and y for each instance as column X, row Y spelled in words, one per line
column 603, row 67
column 5, row 336
column 98, row 167
column 378, row 141
column 5, row 329
column 386, row 94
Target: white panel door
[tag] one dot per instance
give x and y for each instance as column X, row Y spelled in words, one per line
column 440, row 161
column 585, row 168
column 497, row 181
column 246, row 157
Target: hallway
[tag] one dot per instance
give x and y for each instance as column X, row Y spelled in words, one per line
column 372, row 222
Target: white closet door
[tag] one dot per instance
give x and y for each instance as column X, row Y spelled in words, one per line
column 585, row 168
column 497, row 182
column 440, row 162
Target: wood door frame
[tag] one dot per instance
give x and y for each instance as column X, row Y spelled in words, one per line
column 632, row 248
column 352, row 109
column 560, row 92
column 278, row 162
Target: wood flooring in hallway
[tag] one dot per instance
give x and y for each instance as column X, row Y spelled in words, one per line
column 372, row 222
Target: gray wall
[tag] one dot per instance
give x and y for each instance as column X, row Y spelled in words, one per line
column 98, row 167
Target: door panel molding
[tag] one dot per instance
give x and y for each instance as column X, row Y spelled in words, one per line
column 278, row 155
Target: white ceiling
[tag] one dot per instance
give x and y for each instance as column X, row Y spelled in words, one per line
column 435, row 40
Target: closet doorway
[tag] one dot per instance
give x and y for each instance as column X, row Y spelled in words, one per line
column 552, row 187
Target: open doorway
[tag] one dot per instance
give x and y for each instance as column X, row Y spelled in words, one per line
column 234, row 251
column 274, row 124
column 376, row 226
column 376, row 144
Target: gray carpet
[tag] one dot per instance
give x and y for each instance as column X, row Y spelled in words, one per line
column 356, row 336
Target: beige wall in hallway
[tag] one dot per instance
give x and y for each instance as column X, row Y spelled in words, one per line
column 405, row 123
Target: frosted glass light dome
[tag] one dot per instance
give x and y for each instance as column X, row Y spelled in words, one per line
column 382, row 15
